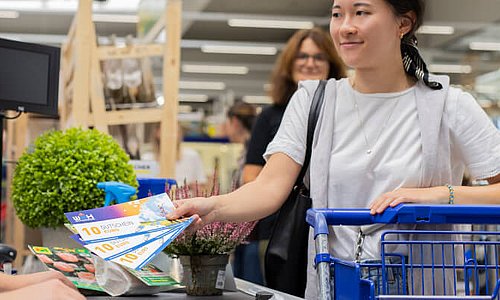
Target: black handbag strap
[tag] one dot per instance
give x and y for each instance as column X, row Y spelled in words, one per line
column 314, row 111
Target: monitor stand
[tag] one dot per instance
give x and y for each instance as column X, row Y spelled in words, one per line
column 2, row 118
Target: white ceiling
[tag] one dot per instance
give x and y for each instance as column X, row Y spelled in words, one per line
column 205, row 22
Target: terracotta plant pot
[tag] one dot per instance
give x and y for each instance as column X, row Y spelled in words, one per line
column 204, row 275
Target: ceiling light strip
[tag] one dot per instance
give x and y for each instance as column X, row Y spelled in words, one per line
column 252, row 50
column 254, row 99
column 202, row 85
column 276, row 24
column 200, row 98
column 485, row 46
column 68, row 5
column 114, row 18
column 456, row 69
column 436, row 29
column 9, row 14
column 213, row 69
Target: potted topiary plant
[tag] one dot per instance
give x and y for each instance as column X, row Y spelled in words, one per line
column 59, row 173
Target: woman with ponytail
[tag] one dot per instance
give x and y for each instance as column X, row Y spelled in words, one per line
column 391, row 133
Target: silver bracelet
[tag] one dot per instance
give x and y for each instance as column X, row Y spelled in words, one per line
column 451, row 198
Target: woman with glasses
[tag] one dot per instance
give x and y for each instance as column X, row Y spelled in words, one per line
column 308, row 55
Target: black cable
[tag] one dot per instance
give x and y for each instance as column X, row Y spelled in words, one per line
column 2, row 117
column 14, row 117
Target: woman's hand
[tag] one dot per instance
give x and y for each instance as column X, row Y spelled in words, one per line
column 51, row 289
column 19, row 281
column 433, row 195
column 202, row 209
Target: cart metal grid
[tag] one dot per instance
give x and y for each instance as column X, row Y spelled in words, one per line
column 456, row 265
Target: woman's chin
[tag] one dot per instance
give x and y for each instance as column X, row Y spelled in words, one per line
column 350, row 61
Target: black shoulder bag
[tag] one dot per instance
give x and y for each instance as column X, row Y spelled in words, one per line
column 286, row 254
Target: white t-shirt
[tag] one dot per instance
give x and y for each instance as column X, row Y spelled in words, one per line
column 190, row 167
column 356, row 178
column 390, row 129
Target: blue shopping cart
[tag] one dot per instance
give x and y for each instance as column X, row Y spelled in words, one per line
column 435, row 264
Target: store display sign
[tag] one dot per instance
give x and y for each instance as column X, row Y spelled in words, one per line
column 145, row 168
column 152, row 276
column 130, row 234
column 76, row 264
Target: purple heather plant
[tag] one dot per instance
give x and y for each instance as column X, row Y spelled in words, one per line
column 213, row 238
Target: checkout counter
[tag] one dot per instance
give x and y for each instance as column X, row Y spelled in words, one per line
column 245, row 291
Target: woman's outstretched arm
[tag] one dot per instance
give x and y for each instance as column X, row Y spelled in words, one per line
column 252, row 201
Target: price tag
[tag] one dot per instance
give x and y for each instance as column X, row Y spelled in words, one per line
column 221, row 279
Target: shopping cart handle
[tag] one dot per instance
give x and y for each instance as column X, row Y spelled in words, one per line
column 406, row 214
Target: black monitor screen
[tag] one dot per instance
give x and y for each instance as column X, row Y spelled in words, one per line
column 30, row 85
column 29, row 76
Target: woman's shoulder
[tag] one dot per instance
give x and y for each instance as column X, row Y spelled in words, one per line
column 310, row 86
column 462, row 102
column 307, row 88
column 459, row 95
column 453, row 94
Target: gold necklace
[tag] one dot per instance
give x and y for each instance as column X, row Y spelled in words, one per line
column 362, row 125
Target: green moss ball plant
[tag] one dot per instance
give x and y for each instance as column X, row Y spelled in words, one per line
column 60, row 174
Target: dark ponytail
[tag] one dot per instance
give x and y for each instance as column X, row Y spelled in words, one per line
column 413, row 63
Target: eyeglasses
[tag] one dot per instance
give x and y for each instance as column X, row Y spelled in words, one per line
column 318, row 58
